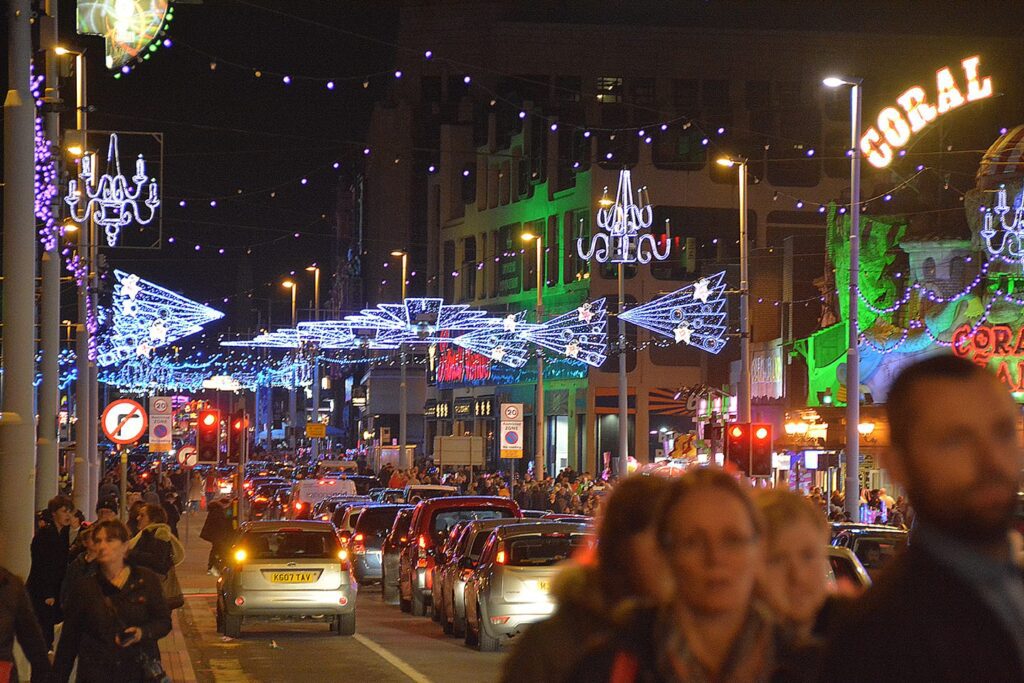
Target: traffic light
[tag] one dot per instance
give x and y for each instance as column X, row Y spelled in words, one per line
column 737, row 445
column 236, row 435
column 208, row 436
column 760, row 450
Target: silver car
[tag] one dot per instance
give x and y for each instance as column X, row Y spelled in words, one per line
column 451, row 584
column 511, row 586
column 287, row 568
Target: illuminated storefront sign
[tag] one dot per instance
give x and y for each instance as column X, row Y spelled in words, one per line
column 1001, row 343
column 896, row 124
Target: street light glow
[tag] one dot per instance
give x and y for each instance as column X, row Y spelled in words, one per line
column 725, row 161
column 288, row 284
column 528, row 236
column 834, row 82
column 398, row 252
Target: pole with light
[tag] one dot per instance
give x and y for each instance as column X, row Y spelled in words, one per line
column 315, row 442
column 743, row 409
column 403, row 399
column 540, row 453
column 292, row 408
column 852, row 484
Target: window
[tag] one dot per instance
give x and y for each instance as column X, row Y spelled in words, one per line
column 716, row 96
column 509, row 262
column 430, row 88
column 758, row 95
column 567, row 88
column 680, row 150
column 448, row 274
column 642, row 90
column 551, row 252
column 469, row 184
column 609, row 89
column 469, row 268
column 444, row 520
column 686, row 95
column 529, row 253
column 544, row 550
column 576, row 226
column 281, row 545
column 790, row 164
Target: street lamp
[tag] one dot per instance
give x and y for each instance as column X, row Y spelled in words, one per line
column 315, row 269
column 743, row 409
column 852, row 483
column 539, row 455
column 292, row 407
column 403, row 399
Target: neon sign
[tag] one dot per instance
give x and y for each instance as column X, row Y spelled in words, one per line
column 982, row 343
column 895, row 125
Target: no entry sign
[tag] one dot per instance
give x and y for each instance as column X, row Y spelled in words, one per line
column 124, row 421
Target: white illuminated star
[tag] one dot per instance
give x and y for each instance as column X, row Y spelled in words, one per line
column 700, row 290
column 130, row 286
column 586, row 312
column 682, row 334
column 510, row 323
column 572, row 349
column 498, row 353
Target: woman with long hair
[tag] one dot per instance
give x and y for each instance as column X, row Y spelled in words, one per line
column 114, row 618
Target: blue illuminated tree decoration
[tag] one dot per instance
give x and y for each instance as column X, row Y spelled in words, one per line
column 501, row 341
column 694, row 315
column 145, row 316
column 581, row 333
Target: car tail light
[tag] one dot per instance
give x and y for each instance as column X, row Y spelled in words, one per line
column 241, row 555
column 423, row 542
column 466, row 574
column 239, row 601
column 343, row 555
column 298, row 506
column 358, row 547
column 403, row 539
column 499, row 620
column 500, row 557
column 342, row 601
column 421, row 563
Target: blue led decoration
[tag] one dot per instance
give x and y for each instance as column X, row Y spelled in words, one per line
column 144, row 316
column 694, row 315
column 579, row 334
column 623, row 220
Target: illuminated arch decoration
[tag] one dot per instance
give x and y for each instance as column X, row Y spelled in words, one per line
column 580, row 334
column 190, row 374
column 694, row 315
column 145, row 316
column 623, row 220
column 130, row 28
column 110, row 200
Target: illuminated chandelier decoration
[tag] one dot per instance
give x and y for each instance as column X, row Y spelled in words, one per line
column 580, row 334
column 623, row 220
column 1011, row 247
column 694, row 315
column 112, row 202
column 145, row 316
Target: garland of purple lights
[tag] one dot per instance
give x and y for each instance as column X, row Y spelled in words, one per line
column 45, row 193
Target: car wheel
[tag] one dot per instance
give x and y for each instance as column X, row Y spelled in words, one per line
column 404, row 604
column 459, row 627
column 345, row 624
column 471, row 636
column 487, row 643
column 435, row 610
column 388, row 591
column 232, row 626
column 445, row 618
column 419, row 605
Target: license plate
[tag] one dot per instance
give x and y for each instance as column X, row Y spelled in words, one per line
column 543, row 586
column 293, row 577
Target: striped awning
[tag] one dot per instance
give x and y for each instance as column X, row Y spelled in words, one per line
column 1004, row 160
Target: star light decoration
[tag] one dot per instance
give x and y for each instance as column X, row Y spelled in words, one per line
column 145, row 316
column 110, row 200
column 623, row 220
column 1011, row 247
column 580, row 334
column 693, row 315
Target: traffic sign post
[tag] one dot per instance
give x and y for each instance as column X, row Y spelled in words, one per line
column 160, row 423
column 188, row 456
column 511, row 444
column 124, row 421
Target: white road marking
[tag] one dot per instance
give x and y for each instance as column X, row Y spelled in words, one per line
column 392, row 659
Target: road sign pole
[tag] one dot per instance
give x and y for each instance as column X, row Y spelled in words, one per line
column 123, row 498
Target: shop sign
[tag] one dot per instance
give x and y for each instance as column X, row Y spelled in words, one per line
column 484, row 407
column 1000, row 343
column 463, row 408
column 896, row 125
column 766, row 369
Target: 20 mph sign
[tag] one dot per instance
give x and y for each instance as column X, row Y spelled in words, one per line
column 124, row 421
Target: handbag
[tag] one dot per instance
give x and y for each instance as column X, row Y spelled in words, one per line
column 171, row 588
column 152, row 668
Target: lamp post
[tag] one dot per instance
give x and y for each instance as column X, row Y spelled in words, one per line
column 743, row 409
column 315, row 269
column 292, row 410
column 403, row 399
column 539, row 456
column 852, row 484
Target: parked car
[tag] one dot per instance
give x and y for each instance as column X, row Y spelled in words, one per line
column 347, row 514
column 366, row 544
column 442, row 557
column 459, row 569
column 388, row 495
column 363, row 482
column 390, row 552
column 511, row 586
column 286, row 569
column 846, row 573
column 324, row 510
column 874, row 545
column 535, row 514
column 431, row 521
column 262, row 500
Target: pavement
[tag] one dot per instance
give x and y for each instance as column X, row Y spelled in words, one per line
column 389, row 645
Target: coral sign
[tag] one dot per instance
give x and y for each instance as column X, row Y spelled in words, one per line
column 896, row 124
column 983, row 343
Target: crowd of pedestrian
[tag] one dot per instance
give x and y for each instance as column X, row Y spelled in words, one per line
column 701, row 578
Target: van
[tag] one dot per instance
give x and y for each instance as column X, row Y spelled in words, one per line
column 325, row 466
column 308, row 492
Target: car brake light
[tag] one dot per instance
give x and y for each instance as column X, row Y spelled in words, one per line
column 499, row 620
column 421, row 563
column 239, row 601
column 423, row 541
column 357, row 538
column 500, row 557
column 240, row 555
column 342, row 555
column 298, row 506
column 403, row 539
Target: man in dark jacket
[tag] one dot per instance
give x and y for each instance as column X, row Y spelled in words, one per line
column 49, row 562
column 955, row 596
column 18, row 620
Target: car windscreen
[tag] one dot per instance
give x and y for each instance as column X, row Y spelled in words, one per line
column 290, row 545
column 478, row 544
column 543, row 549
column 876, row 553
column 376, row 520
column 444, row 520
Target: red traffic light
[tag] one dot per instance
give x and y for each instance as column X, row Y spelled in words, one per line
column 208, row 419
column 736, row 431
column 761, row 433
column 237, row 425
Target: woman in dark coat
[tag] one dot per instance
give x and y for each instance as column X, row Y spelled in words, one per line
column 49, row 561
column 18, row 620
column 115, row 618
